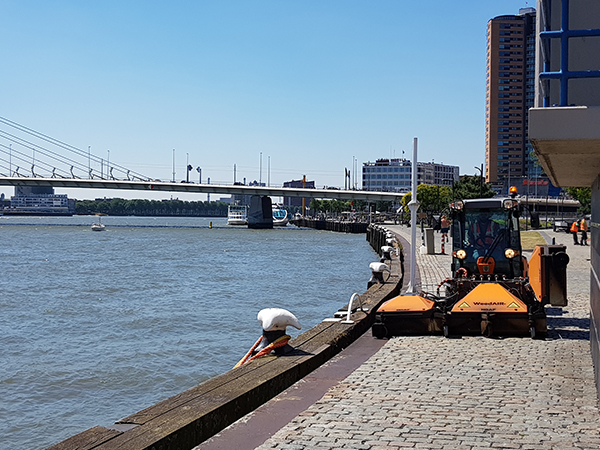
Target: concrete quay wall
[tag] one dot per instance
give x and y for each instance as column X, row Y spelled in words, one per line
column 331, row 225
column 191, row 417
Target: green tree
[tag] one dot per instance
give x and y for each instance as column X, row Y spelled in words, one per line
column 325, row 206
column 584, row 196
column 383, row 205
column 316, row 205
column 432, row 198
column 469, row 187
column 360, row 205
column 121, row 207
column 337, row 206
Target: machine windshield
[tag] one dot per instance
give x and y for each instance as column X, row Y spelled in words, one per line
column 485, row 232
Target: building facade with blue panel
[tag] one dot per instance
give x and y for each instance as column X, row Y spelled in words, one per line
column 564, row 123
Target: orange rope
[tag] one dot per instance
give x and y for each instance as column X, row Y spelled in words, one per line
column 279, row 342
column 461, row 271
column 243, row 360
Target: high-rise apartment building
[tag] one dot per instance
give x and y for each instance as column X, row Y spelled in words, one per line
column 510, row 92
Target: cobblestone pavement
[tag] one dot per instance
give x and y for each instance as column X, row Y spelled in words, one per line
column 433, row 268
column 467, row 393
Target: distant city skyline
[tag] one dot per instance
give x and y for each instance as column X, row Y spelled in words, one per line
column 316, row 88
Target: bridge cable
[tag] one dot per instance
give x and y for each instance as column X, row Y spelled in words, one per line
column 68, row 147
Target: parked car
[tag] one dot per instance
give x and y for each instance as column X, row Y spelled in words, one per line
column 561, row 225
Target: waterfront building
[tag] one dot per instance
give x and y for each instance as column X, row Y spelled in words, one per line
column 443, row 174
column 39, row 200
column 395, row 174
column 297, row 184
column 510, row 92
column 564, row 122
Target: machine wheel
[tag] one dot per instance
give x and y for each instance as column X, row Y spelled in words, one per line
column 541, row 336
column 379, row 331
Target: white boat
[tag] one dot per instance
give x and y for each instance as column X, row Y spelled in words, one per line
column 237, row 215
column 98, row 226
column 280, row 216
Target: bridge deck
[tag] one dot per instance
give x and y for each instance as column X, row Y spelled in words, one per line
column 371, row 196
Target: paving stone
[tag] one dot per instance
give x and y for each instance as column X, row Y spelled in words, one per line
column 468, row 393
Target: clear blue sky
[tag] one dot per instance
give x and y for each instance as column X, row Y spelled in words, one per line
column 310, row 84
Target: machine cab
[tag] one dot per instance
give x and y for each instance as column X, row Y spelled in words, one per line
column 485, row 237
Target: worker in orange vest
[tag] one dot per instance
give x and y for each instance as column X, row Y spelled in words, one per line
column 485, row 232
column 574, row 231
column 583, row 226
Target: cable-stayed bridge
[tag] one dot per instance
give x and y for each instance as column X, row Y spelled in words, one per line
column 31, row 158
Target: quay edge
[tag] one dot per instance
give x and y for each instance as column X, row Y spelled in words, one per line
column 193, row 416
column 331, row 225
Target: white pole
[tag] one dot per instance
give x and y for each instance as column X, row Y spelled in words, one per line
column 413, row 205
column 173, row 165
column 352, row 175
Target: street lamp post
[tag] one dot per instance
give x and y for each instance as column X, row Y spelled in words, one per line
column 187, row 168
column 413, row 206
column 480, row 180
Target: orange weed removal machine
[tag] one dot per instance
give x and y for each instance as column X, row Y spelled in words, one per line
column 494, row 291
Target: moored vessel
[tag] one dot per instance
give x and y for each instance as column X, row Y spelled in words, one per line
column 237, row 215
column 280, row 216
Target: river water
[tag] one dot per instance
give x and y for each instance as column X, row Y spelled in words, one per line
column 95, row 326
